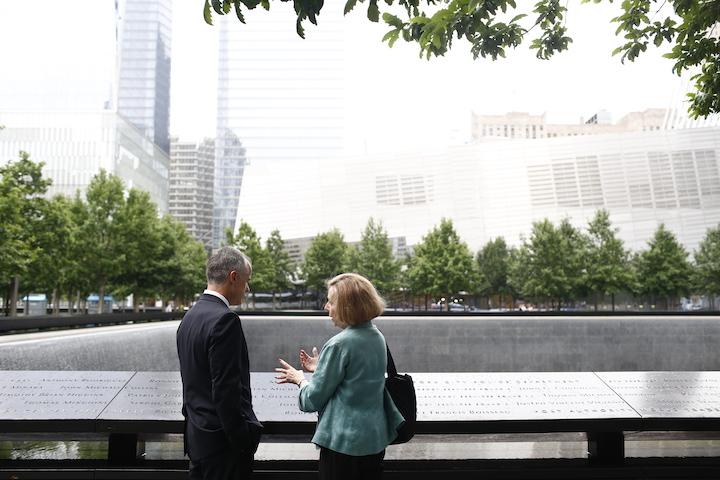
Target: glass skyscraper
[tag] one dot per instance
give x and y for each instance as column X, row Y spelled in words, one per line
column 111, row 112
column 143, row 96
column 280, row 101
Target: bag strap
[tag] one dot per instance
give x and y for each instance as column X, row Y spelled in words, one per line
column 391, row 370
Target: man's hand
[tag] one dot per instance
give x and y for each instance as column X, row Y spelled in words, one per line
column 287, row 374
column 309, row 362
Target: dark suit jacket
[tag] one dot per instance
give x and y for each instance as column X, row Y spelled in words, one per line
column 217, row 403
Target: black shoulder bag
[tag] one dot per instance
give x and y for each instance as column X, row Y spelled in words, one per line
column 402, row 392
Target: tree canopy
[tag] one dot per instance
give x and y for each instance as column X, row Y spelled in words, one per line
column 493, row 261
column 551, row 264
column 707, row 264
column 608, row 266
column 108, row 240
column 442, row 264
column 490, row 28
column 373, row 258
column 281, row 265
column 326, row 258
column 663, row 269
column 22, row 209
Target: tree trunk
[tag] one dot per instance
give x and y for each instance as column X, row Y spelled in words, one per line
column 14, row 289
column 6, row 299
column 78, row 303
column 101, row 300
column 447, row 302
column 612, row 295
column 426, row 302
column 596, row 301
column 136, row 304
column 56, row 301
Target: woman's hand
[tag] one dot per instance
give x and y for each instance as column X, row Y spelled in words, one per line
column 309, row 362
column 287, row 374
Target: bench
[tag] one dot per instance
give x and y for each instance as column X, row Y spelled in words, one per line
column 129, row 406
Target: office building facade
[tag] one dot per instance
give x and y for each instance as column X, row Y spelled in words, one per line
column 75, row 145
column 500, row 188
column 522, row 125
column 143, row 93
column 190, row 193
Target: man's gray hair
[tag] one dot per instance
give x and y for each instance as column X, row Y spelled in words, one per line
column 224, row 261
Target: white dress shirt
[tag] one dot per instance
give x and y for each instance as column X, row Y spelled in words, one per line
column 218, row 295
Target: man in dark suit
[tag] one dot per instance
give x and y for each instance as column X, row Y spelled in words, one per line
column 221, row 430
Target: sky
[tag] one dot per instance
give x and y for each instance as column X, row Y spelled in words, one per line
column 51, row 60
column 394, row 95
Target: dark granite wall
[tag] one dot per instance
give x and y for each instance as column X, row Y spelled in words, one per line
column 419, row 344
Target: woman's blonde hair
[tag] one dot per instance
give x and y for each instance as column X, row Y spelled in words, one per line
column 355, row 298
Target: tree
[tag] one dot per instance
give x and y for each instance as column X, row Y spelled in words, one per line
column 102, row 253
column 442, row 263
column 663, row 269
column 281, row 272
column 608, row 265
column 707, row 265
column 21, row 208
column 51, row 269
column 576, row 260
column 139, row 239
column 248, row 242
column 550, row 264
column 493, row 261
column 326, row 258
column 373, row 258
column 490, row 28
column 181, row 262
column 79, row 284
column 518, row 258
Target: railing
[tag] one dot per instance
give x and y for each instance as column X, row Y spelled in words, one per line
column 127, row 408
column 23, row 323
column 44, row 322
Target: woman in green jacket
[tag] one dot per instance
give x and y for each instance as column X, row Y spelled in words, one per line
column 357, row 417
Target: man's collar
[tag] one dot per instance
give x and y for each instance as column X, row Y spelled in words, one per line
column 218, row 295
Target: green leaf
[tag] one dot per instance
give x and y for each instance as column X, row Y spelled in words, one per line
column 373, row 13
column 207, row 15
column 299, row 28
column 238, row 12
column 349, row 5
column 436, row 41
column 217, row 6
column 227, row 5
column 392, row 20
column 391, row 37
